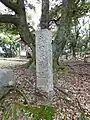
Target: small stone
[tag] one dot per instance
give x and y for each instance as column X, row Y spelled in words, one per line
column 11, row 83
column 6, row 77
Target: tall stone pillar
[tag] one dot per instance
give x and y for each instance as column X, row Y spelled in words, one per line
column 44, row 60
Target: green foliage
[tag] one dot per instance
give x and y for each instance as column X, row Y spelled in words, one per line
column 55, row 12
column 8, row 28
column 65, row 68
column 42, row 112
column 22, row 108
column 8, row 33
column 84, row 116
column 62, row 67
column 8, row 38
column 80, row 9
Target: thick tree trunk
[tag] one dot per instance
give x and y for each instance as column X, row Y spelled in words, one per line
column 24, row 29
column 26, row 35
column 74, row 52
column 64, row 29
column 44, row 23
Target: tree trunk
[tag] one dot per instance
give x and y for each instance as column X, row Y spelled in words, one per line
column 44, row 23
column 74, row 52
column 64, row 29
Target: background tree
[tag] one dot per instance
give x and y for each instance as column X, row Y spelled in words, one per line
column 66, row 17
column 18, row 19
column 64, row 28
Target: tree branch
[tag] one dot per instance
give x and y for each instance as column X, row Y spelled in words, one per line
column 10, row 5
column 21, row 3
column 9, row 19
column 55, row 21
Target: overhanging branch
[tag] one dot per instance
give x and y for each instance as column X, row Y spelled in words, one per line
column 9, row 19
column 10, row 5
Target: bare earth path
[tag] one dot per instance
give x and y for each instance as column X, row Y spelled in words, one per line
column 11, row 62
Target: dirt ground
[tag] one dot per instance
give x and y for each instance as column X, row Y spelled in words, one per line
column 72, row 88
column 10, row 62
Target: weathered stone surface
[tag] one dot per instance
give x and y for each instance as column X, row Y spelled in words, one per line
column 6, row 78
column 44, row 60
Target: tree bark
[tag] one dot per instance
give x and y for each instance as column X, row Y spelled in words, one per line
column 10, row 19
column 64, row 29
column 44, row 23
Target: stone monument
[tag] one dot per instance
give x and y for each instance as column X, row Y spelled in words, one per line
column 44, row 60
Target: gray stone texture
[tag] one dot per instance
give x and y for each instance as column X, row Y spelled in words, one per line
column 44, row 60
column 6, row 78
